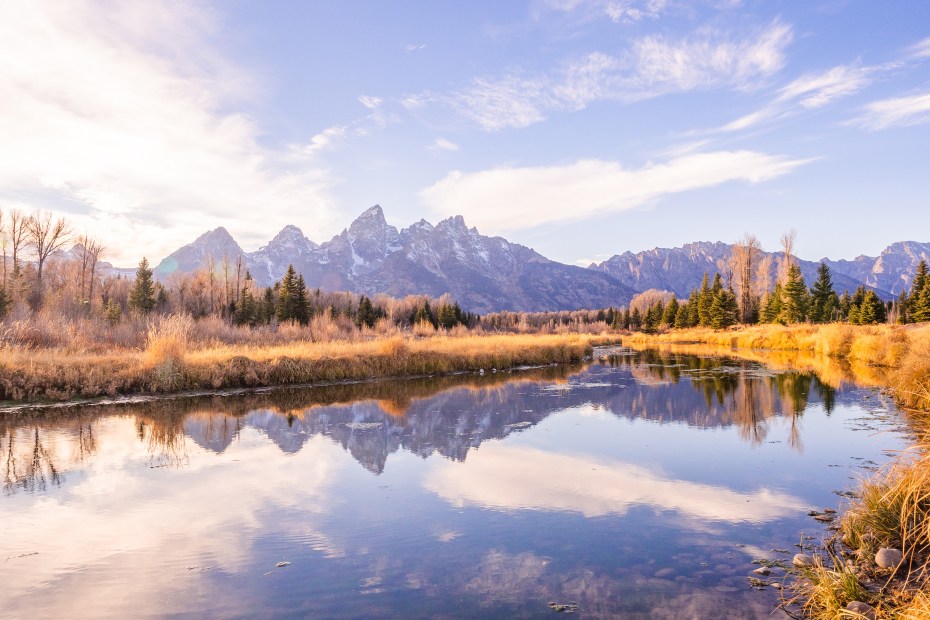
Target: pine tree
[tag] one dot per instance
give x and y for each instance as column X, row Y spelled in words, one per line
column 636, row 319
column 112, row 312
column 302, row 311
column 671, row 311
column 871, row 310
column 771, row 306
column 5, row 302
column 142, row 295
column 793, row 297
column 824, row 300
column 854, row 316
column 723, row 310
column 921, row 309
column 681, row 317
column 917, row 287
column 901, row 308
column 292, row 304
column 704, row 300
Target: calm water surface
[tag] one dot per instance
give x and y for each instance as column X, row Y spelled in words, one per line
column 641, row 486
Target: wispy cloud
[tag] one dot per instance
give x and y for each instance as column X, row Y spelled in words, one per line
column 414, row 47
column 618, row 11
column 503, row 199
column 441, row 144
column 372, row 103
column 105, row 116
column 810, row 91
column 895, row 112
column 650, row 67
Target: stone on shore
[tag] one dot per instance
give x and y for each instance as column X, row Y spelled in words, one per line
column 863, row 609
column 888, row 558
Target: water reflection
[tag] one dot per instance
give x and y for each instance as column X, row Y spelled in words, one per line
column 641, row 486
column 449, row 416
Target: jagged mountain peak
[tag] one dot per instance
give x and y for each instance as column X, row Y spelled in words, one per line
column 373, row 216
column 291, row 236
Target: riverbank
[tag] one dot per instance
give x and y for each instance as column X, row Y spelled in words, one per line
column 169, row 363
column 854, row 577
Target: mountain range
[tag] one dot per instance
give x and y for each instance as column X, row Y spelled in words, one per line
column 489, row 274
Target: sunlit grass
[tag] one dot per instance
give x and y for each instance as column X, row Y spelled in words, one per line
column 170, row 361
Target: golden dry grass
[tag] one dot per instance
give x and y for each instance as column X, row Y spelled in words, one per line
column 169, row 363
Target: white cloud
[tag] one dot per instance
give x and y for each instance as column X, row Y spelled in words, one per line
column 808, row 92
column 414, row 47
column 125, row 115
column 619, row 11
column 371, row 103
column 652, row 66
column 921, row 49
column 503, row 199
column 896, row 112
column 817, row 90
column 441, row 144
column 325, row 139
column 504, row 477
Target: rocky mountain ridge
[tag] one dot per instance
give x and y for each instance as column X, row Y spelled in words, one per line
column 484, row 274
column 488, row 274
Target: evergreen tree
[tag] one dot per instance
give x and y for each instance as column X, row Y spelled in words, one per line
column 112, row 312
column 5, row 302
column 824, row 300
column 921, row 307
column 142, row 295
column 771, row 306
column 704, row 300
column 671, row 312
column 425, row 315
column 901, row 308
column 626, row 319
column 793, row 297
column 636, row 319
column 301, row 302
column 723, row 310
column 292, row 304
column 854, row 316
column 845, row 305
column 917, row 287
column 693, row 313
column 871, row 310
column 681, row 317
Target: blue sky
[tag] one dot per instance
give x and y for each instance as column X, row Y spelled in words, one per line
column 582, row 128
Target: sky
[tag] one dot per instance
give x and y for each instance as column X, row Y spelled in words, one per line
column 581, row 128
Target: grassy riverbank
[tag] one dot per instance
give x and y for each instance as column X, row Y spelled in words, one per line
column 170, row 362
column 892, row 509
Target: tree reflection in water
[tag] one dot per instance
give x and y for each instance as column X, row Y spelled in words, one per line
column 448, row 415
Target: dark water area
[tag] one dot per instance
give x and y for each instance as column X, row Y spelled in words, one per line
column 644, row 485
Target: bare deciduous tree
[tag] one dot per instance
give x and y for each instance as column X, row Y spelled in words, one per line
column 45, row 234
column 92, row 250
column 17, row 233
column 745, row 256
column 3, row 246
column 787, row 244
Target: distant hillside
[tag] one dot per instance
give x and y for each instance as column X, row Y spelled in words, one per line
column 681, row 269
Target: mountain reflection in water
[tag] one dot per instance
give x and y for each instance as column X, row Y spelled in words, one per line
column 641, row 485
column 448, row 415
